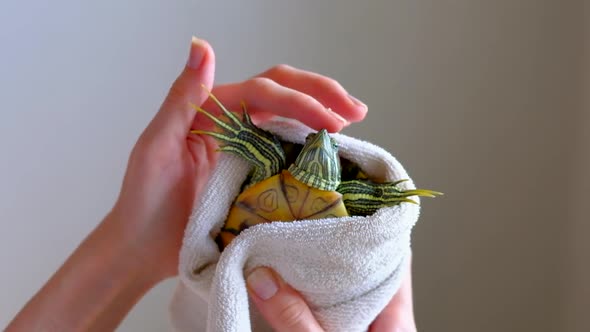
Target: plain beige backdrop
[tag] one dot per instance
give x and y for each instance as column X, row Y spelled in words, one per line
column 483, row 100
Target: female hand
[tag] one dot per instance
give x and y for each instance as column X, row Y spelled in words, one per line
column 286, row 311
column 169, row 167
column 138, row 242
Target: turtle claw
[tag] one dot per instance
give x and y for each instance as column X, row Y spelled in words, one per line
column 423, row 192
column 221, row 124
column 399, row 181
column 411, row 201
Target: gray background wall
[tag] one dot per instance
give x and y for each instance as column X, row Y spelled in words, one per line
column 577, row 271
column 480, row 99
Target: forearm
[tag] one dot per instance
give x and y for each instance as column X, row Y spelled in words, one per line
column 93, row 290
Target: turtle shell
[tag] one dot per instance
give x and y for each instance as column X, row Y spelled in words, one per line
column 280, row 198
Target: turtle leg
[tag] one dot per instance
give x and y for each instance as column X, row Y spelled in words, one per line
column 364, row 197
column 241, row 137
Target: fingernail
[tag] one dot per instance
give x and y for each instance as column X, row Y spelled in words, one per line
column 197, row 53
column 356, row 101
column 262, row 283
column 338, row 117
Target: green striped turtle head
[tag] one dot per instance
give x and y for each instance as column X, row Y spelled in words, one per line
column 318, row 164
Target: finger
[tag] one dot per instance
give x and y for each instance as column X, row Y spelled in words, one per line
column 282, row 307
column 264, row 96
column 202, row 149
column 176, row 115
column 326, row 90
column 398, row 315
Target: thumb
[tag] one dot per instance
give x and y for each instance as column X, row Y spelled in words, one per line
column 282, row 307
column 176, row 116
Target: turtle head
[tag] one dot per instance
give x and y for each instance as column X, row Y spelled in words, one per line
column 318, row 164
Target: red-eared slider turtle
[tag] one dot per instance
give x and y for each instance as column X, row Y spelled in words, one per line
column 312, row 187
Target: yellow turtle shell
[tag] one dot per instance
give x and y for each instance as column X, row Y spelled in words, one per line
column 280, row 198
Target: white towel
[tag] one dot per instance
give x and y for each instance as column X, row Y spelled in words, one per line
column 347, row 269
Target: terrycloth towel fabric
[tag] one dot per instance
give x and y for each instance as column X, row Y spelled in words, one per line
column 347, row 269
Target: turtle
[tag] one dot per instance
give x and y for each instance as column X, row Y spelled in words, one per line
column 288, row 182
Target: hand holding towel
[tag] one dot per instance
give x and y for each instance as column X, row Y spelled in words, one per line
column 347, row 269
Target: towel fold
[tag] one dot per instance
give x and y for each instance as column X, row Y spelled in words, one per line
column 347, row 269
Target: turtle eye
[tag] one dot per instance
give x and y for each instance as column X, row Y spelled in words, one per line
column 334, row 143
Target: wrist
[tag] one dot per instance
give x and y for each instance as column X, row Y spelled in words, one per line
column 126, row 249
